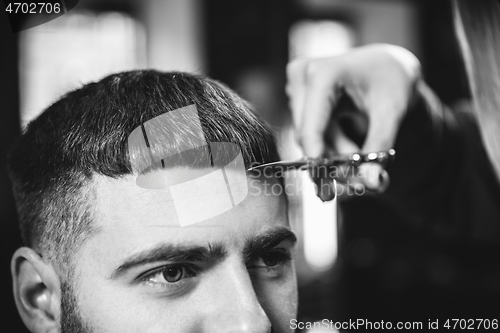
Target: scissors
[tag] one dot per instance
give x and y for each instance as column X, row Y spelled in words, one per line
column 336, row 161
column 306, row 163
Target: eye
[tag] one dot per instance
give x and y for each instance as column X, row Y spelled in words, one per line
column 272, row 259
column 173, row 274
column 170, row 276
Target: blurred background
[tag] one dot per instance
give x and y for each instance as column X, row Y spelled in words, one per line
column 245, row 44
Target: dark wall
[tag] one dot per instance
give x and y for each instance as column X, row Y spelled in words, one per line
column 442, row 63
column 9, row 129
column 242, row 36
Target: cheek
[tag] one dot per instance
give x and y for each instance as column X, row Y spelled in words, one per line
column 113, row 308
column 279, row 299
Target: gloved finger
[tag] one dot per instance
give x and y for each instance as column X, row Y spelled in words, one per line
column 319, row 102
column 373, row 177
column 325, row 188
column 296, row 89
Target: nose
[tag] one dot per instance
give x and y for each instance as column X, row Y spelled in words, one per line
column 233, row 306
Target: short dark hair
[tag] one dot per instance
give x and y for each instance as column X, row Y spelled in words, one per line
column 86, row 132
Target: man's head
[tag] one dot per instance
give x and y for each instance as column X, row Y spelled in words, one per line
column 101, row 252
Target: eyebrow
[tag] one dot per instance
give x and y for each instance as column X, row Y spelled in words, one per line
column 258, row 245
column 212, row 253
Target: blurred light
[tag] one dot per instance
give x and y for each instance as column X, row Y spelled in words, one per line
column 74, row 49
column 176, row 35
column 320, row 227
column 314, row 39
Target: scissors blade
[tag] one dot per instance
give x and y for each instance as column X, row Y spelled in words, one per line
column 305, row 163
column 286, row 165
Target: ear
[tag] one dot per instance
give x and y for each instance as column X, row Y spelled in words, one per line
column 37, row 291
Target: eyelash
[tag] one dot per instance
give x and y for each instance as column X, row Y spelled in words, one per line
column 282, row 256
column 189, row 270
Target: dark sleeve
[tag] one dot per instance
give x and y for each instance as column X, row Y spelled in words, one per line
column 427, row 247
column 442, row 182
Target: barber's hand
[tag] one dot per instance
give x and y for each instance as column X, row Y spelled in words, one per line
column 380, row 81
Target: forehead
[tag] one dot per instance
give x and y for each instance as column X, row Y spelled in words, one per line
column 125, row 213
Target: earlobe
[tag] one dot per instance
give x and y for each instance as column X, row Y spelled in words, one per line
column 37, row 291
